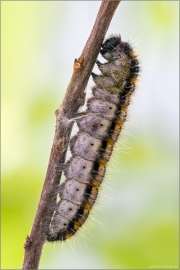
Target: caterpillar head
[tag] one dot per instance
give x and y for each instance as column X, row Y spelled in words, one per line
column 110, row 44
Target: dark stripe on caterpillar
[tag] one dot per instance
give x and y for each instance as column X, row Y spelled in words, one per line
column 99, row 129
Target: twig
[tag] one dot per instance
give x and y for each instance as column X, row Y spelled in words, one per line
column 74, row 98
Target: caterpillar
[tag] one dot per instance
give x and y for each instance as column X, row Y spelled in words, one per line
column 99, row 129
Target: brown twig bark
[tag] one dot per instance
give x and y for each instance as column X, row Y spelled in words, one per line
column 74, row 98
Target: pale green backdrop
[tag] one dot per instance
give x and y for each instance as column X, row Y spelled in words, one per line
column 40, row 40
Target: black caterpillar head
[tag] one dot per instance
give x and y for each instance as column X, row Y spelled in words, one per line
column 110, row 44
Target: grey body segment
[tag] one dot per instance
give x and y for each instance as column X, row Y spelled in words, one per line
column 105, row 82
column 105, row 108
column 96, row 126
column 58, row 224
column 106, row 95
column 80, row 169
column 86, row 146
column 66, row 209
column 74, row 191
column 118, row 69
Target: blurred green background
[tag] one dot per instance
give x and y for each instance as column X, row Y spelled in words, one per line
column 40, row 40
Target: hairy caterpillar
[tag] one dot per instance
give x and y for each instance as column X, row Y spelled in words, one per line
column 99, row 129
